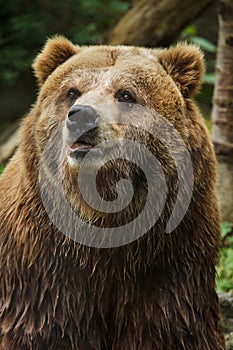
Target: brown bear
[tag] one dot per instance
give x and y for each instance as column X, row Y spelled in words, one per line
column 78, row 269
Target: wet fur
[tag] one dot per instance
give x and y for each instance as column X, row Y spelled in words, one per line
column 155, row 293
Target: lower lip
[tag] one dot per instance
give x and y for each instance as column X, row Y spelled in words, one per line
column 82, row 149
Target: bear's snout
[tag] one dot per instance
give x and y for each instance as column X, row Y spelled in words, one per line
column 81, row 119
column 82, row 125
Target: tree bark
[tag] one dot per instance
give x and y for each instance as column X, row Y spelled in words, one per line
column 222, row 112
column 155, row 22
column 225, row 186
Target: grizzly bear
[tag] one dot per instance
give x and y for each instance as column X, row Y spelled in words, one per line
column 101, row 250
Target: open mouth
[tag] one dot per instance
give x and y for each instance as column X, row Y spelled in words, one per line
column 90, row 142
column 80, row 148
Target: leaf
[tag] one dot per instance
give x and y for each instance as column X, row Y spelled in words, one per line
column 225, row 228
column 1, row 168
column 225, row 268
column 224, row 285
column 203, row 43
column 209, row 78
column 188, row 31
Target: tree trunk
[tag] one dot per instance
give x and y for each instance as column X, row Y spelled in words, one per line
column 225, row 187
column 155, row 22
column 222, row 113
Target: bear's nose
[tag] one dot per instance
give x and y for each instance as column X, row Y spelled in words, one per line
column 82, row 118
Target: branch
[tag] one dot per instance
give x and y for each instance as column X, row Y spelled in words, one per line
column 8, row 143
column 150, row 23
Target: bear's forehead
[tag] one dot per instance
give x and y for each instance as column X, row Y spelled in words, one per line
column 106, row 56
column 113, row 64
column 113, row 68
column 99, row 59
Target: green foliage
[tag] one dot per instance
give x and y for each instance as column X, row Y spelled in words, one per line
column 190, row 34
column 209, row 78
column 204, row 98
column 203, row 43
column 25, row 25
column 225, row 229
column 208, row 123
column 1, row 168
column 225, row 269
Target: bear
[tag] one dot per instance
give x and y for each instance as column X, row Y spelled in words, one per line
column 78, row 269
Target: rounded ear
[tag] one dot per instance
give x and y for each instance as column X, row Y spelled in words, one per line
column 184, row 63
column 56, row 51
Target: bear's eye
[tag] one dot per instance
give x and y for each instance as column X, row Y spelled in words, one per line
column 73, row 93
column 125, row 96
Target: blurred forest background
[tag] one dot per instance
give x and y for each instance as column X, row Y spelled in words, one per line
column 25, row 26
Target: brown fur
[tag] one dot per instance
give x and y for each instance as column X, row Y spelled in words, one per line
column 156, row 293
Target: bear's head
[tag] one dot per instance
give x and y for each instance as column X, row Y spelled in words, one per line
column 111, row 125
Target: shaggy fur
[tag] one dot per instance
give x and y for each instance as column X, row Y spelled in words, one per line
column 156, row 293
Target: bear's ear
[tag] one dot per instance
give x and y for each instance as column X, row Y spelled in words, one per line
column 184, row 63
column 56, row 51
